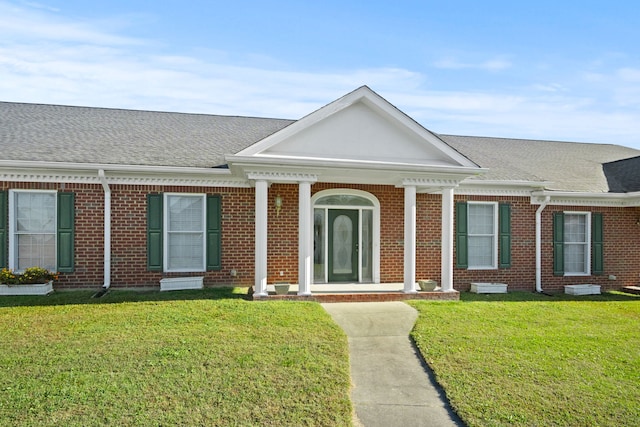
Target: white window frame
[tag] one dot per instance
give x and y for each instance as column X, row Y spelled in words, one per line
column 494, row 249
column 166, row 232
column 13, row 194
column 587, row 244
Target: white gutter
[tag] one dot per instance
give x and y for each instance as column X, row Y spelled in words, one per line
column 107, row 229
column 539, row 243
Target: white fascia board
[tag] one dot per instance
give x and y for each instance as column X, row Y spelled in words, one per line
column 26, row 171
column 327, row 163
column 500, row 188
column 574, row 198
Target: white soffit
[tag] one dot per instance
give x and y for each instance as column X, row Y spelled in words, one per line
column 362, row 127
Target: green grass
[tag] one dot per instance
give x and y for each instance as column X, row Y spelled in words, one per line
column 178, row 358
column 534, row 360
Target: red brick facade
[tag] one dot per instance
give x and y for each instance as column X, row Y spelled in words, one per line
column 128, row 222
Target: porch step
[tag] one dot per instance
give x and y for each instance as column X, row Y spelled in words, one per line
column 364, row 297
column 631, row 290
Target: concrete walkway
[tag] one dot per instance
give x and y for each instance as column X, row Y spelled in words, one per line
column 391, row 385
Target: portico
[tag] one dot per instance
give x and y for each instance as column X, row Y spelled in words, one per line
column 358, row 140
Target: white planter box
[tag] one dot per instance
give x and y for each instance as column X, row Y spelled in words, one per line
column 488, row 288
column 586, row 289
column 35, row 289
column 181, row 283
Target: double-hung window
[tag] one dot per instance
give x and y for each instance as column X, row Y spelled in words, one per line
column 578, row 243
column 482, row 240
column 483, row 235
column 184, row 232
column 32, row 222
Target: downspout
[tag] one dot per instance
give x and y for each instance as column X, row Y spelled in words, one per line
column 539, row 243
column 107, row 230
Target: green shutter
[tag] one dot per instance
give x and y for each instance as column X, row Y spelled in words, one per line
column 504, row 235
column 597, row 244
column 558, row 243
column 462, row 258
column 4, row 210
column 66, row 220
column 214, row 220
column 154, row 232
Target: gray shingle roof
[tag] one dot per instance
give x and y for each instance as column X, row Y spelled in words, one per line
column 570, row 166
column 37, row 132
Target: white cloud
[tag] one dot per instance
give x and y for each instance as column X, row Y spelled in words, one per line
column 90, row 63
column 497, row 64
column 20, row 24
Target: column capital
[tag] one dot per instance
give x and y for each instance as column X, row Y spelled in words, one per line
column 436, row 182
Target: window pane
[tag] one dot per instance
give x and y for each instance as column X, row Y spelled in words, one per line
column 186, row 251
column 35, row 212
column 481, row 219
column 575, row 228
column 481, row 235
column 344, row 199
column 576, row 241
column 574, row 258
column 367, row 245
column 36, row 250
column 318, row 245
column 185, row 213
column 481, row 251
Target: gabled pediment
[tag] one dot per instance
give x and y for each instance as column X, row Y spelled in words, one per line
column 359, row 127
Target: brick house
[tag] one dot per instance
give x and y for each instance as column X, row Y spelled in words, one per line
column 355, row 192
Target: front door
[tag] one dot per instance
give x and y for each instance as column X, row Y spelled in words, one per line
column 343, row 245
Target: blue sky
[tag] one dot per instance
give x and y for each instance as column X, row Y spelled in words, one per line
column 554, row 70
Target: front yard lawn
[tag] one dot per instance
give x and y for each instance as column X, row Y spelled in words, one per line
column 534, row 360
column 178, row 358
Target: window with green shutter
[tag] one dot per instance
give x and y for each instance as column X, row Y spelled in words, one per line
column 41, row 230
column 578, row 243
column 183, row 232
column 483, row 235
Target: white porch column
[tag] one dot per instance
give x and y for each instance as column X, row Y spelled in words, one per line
column 262, row 199
column 447, row 240
column 305, row 242
column 410, row 239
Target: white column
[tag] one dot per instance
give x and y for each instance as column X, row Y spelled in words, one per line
column 447, row 240
column 305, row 242
column 410, row 239
column 262, row 199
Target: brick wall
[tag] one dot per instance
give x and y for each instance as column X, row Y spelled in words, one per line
column 128, row 263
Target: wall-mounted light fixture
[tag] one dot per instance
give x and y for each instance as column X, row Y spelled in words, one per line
column 278, row 204
column 638, row 221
